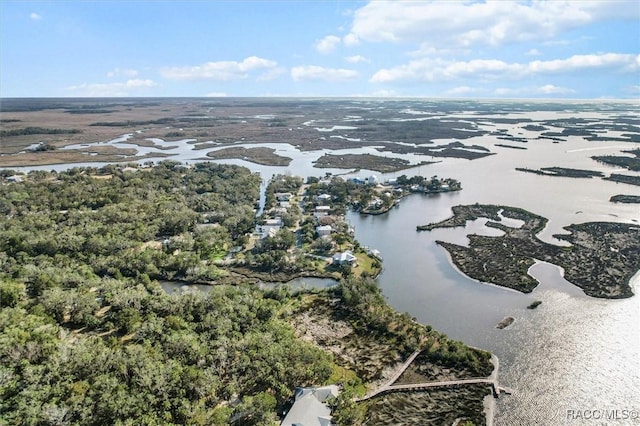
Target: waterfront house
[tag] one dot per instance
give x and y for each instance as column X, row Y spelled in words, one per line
column 344, row 258
column 310, row 407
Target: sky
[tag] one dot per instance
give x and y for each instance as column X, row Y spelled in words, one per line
column 427, row 49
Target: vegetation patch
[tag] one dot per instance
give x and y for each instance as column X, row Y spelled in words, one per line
column 629, row 163
column 365, row 161
column 369, row 338
column 460, row 405
column 510, row 146
column 561, row 171
column 260, row 155
column 108, row 154
column 630, row 180
column 629, row 199
column 601, row 260
column 37, row 131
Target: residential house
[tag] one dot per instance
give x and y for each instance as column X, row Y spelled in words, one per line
column 344, row 258
column 310, row 407
column 324, row 230
column 321, row 211
column 269, row 228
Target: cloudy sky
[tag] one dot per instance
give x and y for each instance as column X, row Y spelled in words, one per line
column 449, row 49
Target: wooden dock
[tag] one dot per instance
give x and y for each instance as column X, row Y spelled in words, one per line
column 416, row 387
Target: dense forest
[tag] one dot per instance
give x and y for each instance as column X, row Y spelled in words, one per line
column 88, row 336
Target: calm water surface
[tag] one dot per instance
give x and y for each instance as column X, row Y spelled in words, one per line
column 573, row 352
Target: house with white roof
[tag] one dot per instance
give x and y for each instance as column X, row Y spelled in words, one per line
column 310, row 407
column 344, row 258
column 324, row 230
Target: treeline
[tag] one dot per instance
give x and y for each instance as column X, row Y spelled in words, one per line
column 168, row 221
column 37, row 131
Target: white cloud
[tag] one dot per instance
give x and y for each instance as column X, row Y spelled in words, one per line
column 464, row 23
column 461, row 90
column 35, row 16
column 356, row 59
column 271, row 74
column 427, row 69
column 582, row 62
column 351, row 40
column 313, row 72
column 221, row 70
column 440, row 70
column 216, row 95
column 327, row 44
column 426, row 49
column 127, row 88
column 533, row 52
column 116, row 72
column 550, row 89
column 546, row 90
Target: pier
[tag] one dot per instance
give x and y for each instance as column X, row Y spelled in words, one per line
column 389, row 386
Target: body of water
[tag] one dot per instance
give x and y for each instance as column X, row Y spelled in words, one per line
column 573, row 353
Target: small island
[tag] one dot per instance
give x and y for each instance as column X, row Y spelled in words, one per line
column 629, row 163
column 601, row 260
column 628, row 179
column 365, row 161
column 628, row 199
column 258, row 155
column 505, row 322
column 561, row 171
column 534, row 304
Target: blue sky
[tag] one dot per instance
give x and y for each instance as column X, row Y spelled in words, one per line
column 449, row 49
